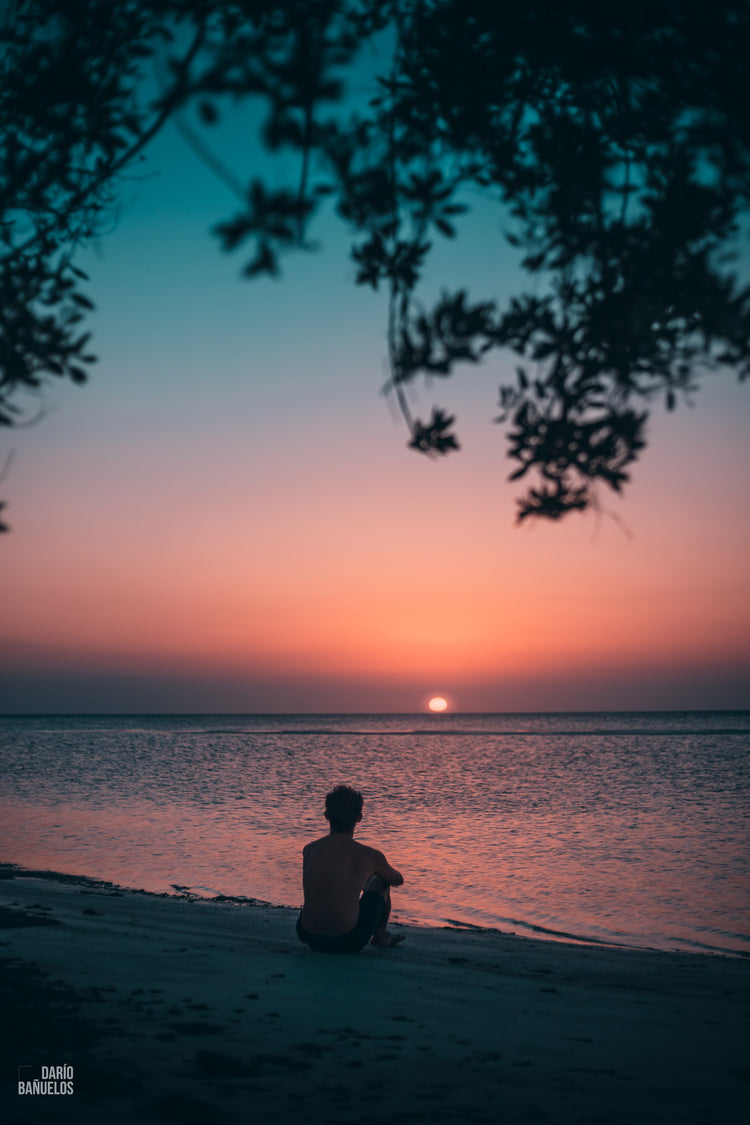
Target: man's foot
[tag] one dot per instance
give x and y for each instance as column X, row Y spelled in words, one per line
column 386, row 940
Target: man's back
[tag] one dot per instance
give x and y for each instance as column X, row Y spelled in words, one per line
column 335, row 869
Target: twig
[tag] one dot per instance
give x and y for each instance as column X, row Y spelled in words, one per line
column 210, row 159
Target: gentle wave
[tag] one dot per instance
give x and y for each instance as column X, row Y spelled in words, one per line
column 609, row 732
column 471, row 733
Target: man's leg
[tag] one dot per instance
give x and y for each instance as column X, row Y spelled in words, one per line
column 382, row 936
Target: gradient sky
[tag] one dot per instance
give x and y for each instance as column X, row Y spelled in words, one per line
column 227, row 517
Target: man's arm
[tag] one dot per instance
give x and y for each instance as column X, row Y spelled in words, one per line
column 382, row 867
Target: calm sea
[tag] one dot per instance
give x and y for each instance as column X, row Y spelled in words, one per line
column 626, row 828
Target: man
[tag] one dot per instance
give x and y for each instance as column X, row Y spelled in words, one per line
column 346, row 884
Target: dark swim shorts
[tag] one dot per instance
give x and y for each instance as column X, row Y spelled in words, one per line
column 371, row 911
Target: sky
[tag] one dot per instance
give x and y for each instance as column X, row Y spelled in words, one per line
column 226, row 518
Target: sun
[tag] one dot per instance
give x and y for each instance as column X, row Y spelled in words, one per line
column 438, row 703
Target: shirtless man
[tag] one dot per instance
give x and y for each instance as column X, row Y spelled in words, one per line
column 346, row 884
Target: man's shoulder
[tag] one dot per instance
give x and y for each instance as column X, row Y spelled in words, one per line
column 369, row 851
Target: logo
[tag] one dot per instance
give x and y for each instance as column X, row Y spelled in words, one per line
column 51, row 1080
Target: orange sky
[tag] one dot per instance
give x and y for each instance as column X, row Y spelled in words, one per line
column 387, row 570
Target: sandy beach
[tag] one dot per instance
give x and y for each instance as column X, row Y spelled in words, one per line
column 174, row 1009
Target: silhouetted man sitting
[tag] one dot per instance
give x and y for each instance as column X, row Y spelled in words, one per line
column 346, row 884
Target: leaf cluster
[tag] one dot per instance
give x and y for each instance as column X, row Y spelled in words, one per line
column 72, row 117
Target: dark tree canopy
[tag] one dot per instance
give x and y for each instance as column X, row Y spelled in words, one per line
column 613, row 136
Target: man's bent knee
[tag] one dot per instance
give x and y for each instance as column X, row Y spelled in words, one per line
column 375, row 883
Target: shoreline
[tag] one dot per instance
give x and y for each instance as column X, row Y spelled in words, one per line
column 529, row 930
column 173, row 1008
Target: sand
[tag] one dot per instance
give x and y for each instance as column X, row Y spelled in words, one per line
column 175, row 1010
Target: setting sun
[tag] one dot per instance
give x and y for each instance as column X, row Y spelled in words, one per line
column 438, row 703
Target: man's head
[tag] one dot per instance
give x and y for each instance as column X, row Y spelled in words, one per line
column 343, row 808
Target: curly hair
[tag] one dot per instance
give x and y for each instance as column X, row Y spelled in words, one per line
column 343, row 808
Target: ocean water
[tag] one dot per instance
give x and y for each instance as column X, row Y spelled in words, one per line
column 626, row 828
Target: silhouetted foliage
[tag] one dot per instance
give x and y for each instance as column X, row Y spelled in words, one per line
column 614, row 138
